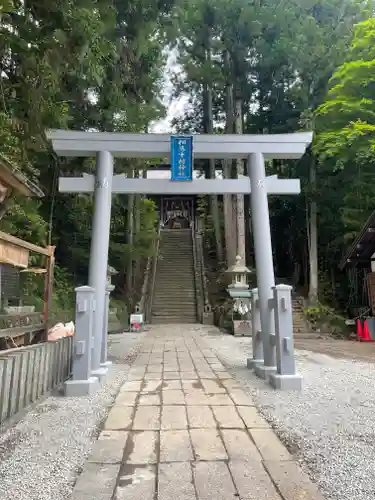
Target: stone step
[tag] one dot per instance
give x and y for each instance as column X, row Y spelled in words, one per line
column 166, row 314
column 181, row 283
column 181, row 289
column 173, row 307
column 170, row 305
column 172, row 299
column 172, row 319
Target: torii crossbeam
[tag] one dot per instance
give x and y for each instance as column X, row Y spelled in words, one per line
column 124, row 185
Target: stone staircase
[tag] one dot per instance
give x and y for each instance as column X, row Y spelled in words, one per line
column 301, row 328
column 174, row 299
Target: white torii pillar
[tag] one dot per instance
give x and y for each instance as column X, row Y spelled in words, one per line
column 255, row 148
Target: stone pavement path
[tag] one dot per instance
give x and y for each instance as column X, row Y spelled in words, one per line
column 182, row 428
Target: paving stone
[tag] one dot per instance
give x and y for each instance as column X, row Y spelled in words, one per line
column 291, row 481
column 152, row 386
column 119, row 418
column 241, row 398
column 191, row 385
column 186, row 367
column 147, row 418
column 152, row 376
column 269, row 445
column 230, row 384
column 213, row 387
column 219, row 400
column 175, row 481
column 109, row 448
column 157, row 368
column 223, row 375
column 175, row 446
column 203, row 367
column 206, row 374
column 132, row 386
column 136, row 482
column 252, row 481
column 97, row 482
column 200, row 417
column 173, row 397
column 251, row 417
column 141, row 448
column 126, row 399
column 156, row 361
column 137, row 371
column 142, row 358
column 140, row 364
column 171, row 385
column 213, row 481
column 136, row 377
column 188, row 375
column 171, row 376
column 227, row 417
column 214, row 365
column 239, row 445
column 173, row 417
column 171, row 368
column 149, row 399
column 207, row 444
column 196, row 397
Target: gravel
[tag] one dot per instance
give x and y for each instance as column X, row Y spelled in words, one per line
column 329, row 426
column 42, row 455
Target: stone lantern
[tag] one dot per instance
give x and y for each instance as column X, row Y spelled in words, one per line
column 111, row 271
column 240, row 293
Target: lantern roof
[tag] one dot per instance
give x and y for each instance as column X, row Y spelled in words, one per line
column 238, row 267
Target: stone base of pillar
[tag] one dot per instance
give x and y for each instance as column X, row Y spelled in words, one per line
column 77, row 388
column 106, row 364
column 286, row 382
column 251, row 363
column 208, row 318
column 100, row 373
column 264, row 372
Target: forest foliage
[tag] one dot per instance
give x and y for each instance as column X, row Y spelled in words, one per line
column 247, row 66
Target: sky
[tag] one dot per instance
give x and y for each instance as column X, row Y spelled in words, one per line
column 175, row 107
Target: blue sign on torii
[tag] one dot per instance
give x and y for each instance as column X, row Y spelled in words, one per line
column 181, row 158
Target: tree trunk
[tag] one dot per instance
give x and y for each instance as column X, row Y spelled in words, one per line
column 209, row 129
column 129, row 271
column 240, row 202
column 229, row 221
column 137, row 230
column 313, row 232
column 214, row 199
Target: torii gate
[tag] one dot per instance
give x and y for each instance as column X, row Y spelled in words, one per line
column 256, row 148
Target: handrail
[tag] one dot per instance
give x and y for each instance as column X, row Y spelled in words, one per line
column 202, row 269
column 141, row 304
column 153, row 276
column 197, row 278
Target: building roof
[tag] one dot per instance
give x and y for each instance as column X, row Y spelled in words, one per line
column 363, row 246
column 13, row 178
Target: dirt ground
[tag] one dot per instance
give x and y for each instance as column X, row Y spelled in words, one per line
column 349, row 349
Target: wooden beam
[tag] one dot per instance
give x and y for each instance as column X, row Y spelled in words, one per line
column 24, row 244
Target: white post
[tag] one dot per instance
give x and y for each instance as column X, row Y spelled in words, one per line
column 99, row 251
column 263, row 261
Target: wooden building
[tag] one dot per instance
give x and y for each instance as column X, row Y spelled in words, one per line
column 359, row 263
column 13, row 184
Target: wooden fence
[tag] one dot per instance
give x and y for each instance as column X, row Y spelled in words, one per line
column 29, row 373
column 21, row 328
